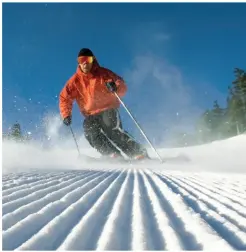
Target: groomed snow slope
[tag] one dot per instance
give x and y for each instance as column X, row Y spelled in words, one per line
column 71, row 205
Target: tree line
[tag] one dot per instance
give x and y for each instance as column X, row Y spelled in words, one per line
column 15, row 134
column 220, row 123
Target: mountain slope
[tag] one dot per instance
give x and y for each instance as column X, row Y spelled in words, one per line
column 51, row 200
column 123, row 209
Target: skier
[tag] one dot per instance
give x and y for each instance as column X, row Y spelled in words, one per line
column 92, row 87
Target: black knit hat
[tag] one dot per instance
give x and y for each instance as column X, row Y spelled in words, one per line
column 85, row 52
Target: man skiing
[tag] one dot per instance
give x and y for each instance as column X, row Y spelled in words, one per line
column 93, row 87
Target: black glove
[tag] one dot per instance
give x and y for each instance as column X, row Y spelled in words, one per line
column 111, row 86
column 68, row 120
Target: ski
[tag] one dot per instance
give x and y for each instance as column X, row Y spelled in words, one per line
column 151, row 160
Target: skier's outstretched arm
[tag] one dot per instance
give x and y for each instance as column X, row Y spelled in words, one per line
column 67, row 96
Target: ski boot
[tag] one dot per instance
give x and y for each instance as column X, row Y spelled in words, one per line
column 114, row 157
column 143, row 155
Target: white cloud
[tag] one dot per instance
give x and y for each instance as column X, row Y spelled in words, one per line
column 147, row 37
column 170, row 97
column 162, row 37
column 171, row 101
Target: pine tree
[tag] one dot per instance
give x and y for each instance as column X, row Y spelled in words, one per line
column 204, row 127
column 15, row 133
column 218, row 121
column 237, row 102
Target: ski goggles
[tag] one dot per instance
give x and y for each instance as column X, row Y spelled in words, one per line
column 85, row 59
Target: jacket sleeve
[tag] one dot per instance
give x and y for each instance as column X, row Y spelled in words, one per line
column 67, row 96
column 120, row 83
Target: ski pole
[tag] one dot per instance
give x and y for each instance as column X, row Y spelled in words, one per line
column 74, row 139
column 151, row 145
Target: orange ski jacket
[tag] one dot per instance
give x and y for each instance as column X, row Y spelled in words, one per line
column 90, row 92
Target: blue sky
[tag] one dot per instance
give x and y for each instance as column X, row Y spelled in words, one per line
column 176, row 58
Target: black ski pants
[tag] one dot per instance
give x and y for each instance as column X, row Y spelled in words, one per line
column 104, row 131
